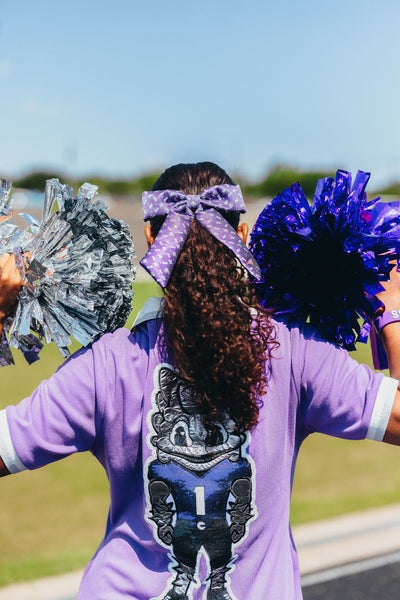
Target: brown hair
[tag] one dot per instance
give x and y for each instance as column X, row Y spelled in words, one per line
column 219, row 336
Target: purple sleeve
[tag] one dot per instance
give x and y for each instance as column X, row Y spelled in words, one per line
column 61, row 416
column 337, row 394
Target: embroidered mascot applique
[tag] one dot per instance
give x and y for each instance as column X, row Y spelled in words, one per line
column 200, row 497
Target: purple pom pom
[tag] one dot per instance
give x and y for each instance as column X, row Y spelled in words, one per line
column 324, row 263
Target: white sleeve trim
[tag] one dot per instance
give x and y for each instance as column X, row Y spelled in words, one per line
column 7, row 450
column 382, row 409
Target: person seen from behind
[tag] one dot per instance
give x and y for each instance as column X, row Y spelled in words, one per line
column 197, row 414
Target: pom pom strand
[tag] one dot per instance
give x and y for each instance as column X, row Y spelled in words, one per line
column 324, row 263
column 76, row 269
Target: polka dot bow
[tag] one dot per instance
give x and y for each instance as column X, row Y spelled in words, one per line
column 180, row 210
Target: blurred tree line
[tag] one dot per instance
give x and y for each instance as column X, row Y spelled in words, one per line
column 277, row 180
column 280, row 179
column 37, row 181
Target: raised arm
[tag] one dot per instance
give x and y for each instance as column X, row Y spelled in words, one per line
column 390, row 336
column 10, row 286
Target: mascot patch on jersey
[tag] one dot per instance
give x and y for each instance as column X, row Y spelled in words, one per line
column 200, row 497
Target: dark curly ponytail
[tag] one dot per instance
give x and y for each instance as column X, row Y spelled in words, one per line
column 219, row 336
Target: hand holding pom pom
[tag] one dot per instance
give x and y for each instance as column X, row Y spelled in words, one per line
column 10, row 286
column 75, row 267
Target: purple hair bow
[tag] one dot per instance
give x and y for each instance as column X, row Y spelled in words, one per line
column 180, row 210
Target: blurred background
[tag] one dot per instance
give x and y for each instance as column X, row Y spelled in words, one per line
column 113, row 93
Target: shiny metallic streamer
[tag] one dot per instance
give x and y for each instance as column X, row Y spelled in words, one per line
column 76, row 268
column 324, row 263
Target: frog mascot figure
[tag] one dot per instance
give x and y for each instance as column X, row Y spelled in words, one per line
column 200, row 497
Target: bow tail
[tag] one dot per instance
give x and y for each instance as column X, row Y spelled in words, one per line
column 215, row 223
column 163, row 253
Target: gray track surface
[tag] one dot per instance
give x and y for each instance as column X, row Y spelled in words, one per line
column 382, row 583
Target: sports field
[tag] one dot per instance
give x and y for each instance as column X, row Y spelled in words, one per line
column 52, row 520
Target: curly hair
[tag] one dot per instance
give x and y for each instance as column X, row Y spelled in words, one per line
column 219, row 336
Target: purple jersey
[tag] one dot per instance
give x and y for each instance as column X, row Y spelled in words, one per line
column 189, row 520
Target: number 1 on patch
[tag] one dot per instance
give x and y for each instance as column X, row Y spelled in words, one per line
column 200, row 500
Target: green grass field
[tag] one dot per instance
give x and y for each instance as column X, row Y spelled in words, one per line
column 52, row 520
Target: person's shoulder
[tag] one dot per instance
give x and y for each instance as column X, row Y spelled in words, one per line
column 297, row 330
column 113, row 338
column 285, row 328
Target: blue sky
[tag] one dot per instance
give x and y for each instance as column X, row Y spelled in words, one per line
column 119, row 88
